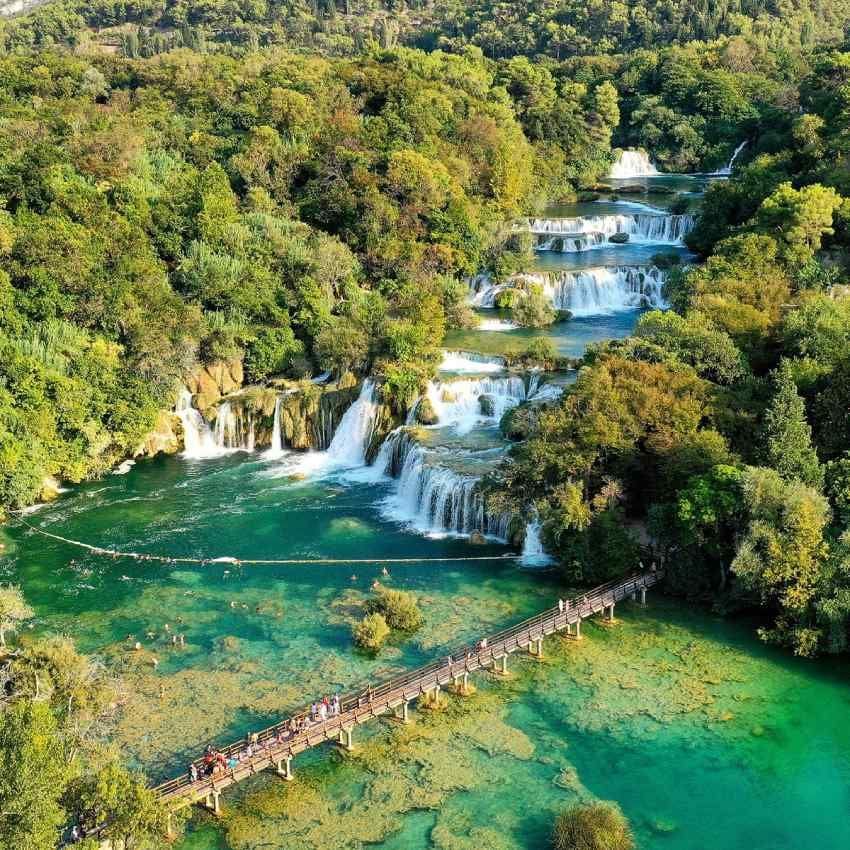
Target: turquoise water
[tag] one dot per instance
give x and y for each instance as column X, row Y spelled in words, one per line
column 697, row 730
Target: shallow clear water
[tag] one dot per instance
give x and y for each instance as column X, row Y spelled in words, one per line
column 699, row 732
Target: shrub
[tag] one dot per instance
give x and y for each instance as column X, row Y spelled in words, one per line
column 592, row 826
column 271, row 352
column 371, row 632
column 397, row 608
column 534, row 310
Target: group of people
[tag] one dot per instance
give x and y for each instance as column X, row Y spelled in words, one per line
column 214, row 762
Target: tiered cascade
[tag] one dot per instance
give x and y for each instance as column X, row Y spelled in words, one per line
column 582, row 233
column 591, row 292
column 632, row 163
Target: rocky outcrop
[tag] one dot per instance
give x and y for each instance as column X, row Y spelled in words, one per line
column 209, row 384
column 165, row 437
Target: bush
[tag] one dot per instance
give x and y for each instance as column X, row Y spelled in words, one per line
column 371, row 632
column 507, row 299
column 534, row 310
column 592, row 826
column 271, row 352
column 397, row 608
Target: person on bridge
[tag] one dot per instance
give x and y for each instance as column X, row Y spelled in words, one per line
column 335, row 704
column 193, row 772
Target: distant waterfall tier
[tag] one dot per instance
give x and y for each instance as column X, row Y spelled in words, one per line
column 570, row 235
column 632, row 163
column 471, row 361
column 432, row 497
column 592, row 292
column 726, row 171
column 533, row 553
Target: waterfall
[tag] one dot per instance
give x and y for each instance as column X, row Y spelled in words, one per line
column 351, row 439
column 470, row 361
column 632, row 163
column 586, row 232
column 471, row 402
column 533, row 554
column 432, row 498
column 198, row 440
column 726, row 171
column 591, row 292
column 276, row 449
column 497, row 325
column 234, row 430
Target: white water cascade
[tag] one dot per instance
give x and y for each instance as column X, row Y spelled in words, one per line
column 569, row 235
column 726, row 171
column 472, row 402
column 351, row 438
column 533, row 554
column 591, row 292
column 632, row 163
column 432, row 498
column 234, row 430
column 276, row 449
column 198, row 439
column 468, row 361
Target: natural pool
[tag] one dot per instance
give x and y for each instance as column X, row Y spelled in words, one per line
column 703, row 735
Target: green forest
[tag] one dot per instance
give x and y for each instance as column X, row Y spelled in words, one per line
column 307, row 186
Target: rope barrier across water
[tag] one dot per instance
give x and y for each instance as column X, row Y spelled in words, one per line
column 167, row 559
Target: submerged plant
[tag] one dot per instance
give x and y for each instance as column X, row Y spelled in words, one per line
column 592, row 826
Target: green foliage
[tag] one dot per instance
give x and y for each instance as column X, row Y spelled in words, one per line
column 788, row 435
column 533, row 309
column 271, row 352
column 782, row 554
column 398, row 608
column 14, row 610
column 592, row 826
column 371, row 632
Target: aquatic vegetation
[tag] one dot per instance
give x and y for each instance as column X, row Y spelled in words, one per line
column 371, row 632
column 592, row 826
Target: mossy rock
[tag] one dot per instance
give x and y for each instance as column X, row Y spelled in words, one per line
column 660, row 190
column 631, row 189
column 562, row 316
column 477, row 538
column 588, row 197
column 425, row 413
column 487, row 404
column 619, row 238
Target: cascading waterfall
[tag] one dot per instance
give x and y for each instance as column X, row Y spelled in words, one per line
column 234, row 430
column 591, row 292
column 533, row 554
column 470, row 361
column 726, row 171
column 276, row 449
column 582, row 233
column 632, row 163
column 467, row 403
column 433, row 498
column 351, row 438
column 198, row 439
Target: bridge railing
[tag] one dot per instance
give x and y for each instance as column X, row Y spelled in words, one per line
column 476, row 655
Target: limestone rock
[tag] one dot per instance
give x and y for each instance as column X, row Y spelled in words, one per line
column 487, row 404
column 166, row 436
column 425, row 413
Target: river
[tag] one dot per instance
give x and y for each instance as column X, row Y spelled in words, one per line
column 703, row 735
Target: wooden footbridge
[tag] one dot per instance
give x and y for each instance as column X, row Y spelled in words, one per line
column 275, row 747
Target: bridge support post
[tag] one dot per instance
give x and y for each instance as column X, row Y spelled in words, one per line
column 539, row 652
column 213, row 802
column 405, row 715
column 611, row 613
column 345, row 738
column 643, row 596
column 504, row 665
column 283, row 768
column 633, row 596
column 578, row 629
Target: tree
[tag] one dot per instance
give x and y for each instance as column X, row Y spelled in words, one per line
column 592, row 826
column 533, row 309
column 398, row 608
column 798, row 219
column 788, row 435
column 782, row 554
column 14, row 610
column 33, row 776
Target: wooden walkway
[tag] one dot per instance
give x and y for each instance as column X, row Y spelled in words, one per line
column 275, row 747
